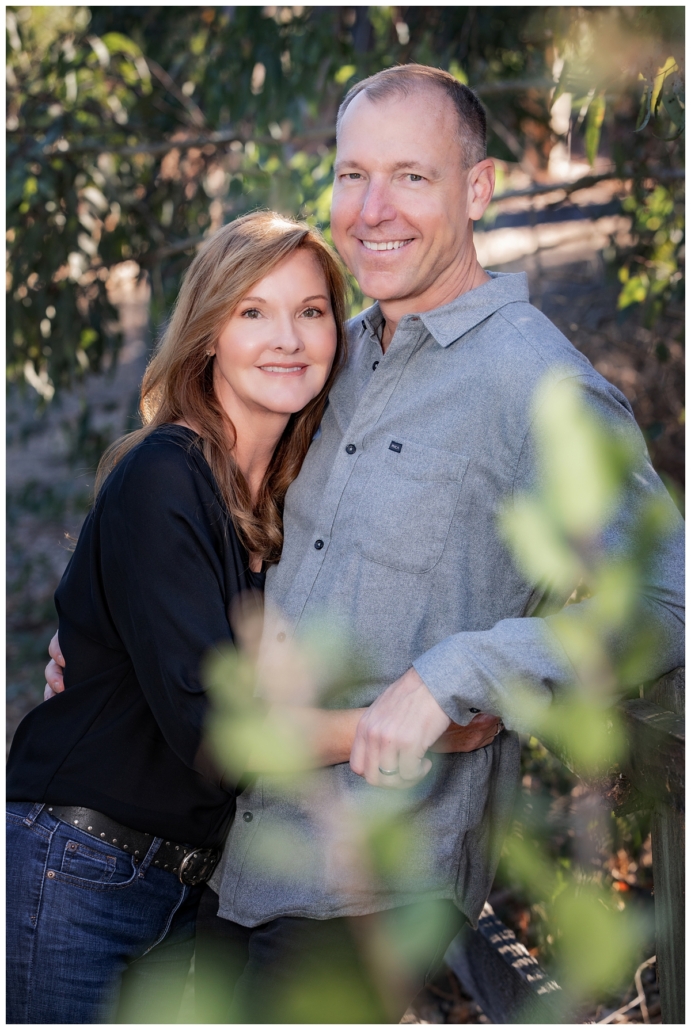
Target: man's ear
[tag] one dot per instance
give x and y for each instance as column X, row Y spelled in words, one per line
column 480, row 188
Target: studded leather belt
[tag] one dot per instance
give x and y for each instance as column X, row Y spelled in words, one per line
column 191, row 865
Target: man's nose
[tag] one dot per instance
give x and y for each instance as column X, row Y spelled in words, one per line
column 377, row 206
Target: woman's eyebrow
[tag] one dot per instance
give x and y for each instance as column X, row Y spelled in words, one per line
column 262, row 300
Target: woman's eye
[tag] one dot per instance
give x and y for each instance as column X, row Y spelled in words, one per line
column 251, row 313
column 311, row 313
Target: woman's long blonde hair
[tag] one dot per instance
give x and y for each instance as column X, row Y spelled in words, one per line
column 178, row 383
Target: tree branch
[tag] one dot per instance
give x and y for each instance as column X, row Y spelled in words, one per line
column 489, row 89
column 85, row 146
column 665, row 175
column 227, row 136
column 194, row 111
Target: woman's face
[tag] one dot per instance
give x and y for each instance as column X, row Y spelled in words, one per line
column 276, row 351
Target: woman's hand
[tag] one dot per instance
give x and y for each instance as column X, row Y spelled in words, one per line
column 55, row 683
column 326, row 736
column 317, row 737
column 480, row 731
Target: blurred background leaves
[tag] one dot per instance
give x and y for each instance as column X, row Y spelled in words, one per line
column 99, row 96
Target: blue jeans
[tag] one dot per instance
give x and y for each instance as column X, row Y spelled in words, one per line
column 90, row 936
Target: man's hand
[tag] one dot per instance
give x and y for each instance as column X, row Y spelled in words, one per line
column 55, row 683
column 395, row 732
column 480, row 731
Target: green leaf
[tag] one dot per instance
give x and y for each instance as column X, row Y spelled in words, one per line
column 667, row 68
column 673, row 101
column 635, row 291
column 561, row 85
column 458, row 72
column 593, row 127
column 646, row 109
column 345, row 73
column 117, row 43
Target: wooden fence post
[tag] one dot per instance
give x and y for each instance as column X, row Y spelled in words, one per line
column 498, row 972
column 668, row 874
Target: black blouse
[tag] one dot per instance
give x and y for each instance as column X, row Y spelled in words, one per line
column 145, row 596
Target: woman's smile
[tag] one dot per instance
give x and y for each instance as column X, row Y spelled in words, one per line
column 283, row 369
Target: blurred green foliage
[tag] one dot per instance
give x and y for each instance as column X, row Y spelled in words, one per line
column 556, row 533
column 651, row 271
column 98, row 95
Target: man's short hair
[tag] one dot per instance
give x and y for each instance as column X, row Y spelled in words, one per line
column 405, row 79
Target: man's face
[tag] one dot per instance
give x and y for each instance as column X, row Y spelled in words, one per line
column 401, row 201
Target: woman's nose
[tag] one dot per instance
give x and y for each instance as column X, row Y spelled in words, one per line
column 288, row 338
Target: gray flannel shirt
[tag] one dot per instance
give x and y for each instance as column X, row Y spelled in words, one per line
column 390, row 533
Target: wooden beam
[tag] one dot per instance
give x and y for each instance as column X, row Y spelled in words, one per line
column 667, row 832
column 655, row 763
column 504, row 979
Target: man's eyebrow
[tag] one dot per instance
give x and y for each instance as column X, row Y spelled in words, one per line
column 417, row 165
column 413, row 165
column 345, row 164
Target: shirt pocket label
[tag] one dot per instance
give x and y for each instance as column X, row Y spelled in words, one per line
column 407, row 504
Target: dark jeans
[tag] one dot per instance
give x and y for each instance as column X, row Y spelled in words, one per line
column 87, row 930
column 363, row 969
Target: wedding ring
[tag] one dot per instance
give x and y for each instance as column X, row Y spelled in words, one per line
column 388, row 772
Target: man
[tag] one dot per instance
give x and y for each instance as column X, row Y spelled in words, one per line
column 391, row 531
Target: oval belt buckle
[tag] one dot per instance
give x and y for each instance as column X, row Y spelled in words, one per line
column 197, row 866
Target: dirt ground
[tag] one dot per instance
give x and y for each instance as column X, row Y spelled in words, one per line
column 51, row 457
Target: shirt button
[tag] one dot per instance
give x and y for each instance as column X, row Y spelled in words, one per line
column 280, row 637
column 318, row 544
column 374, row 366
column 351, row 448
column 247, row 816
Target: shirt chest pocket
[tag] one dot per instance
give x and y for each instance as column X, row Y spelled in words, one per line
column 407, row 504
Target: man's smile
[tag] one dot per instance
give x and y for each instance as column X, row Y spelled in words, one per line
column 385, row 244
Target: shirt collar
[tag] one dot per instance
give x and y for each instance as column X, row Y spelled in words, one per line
column 372, row 320
column 448, row 323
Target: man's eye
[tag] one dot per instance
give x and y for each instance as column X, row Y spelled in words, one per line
column 351, row 175
column 414, row 178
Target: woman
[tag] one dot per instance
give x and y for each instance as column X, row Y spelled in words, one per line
column 116, row 816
